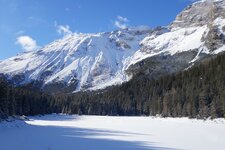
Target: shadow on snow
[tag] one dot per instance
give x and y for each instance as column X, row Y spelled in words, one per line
column 32, row 137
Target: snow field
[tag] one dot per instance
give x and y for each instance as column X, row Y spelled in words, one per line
column 58, row 132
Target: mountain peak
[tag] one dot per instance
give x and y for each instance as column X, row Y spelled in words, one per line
column 200, row 13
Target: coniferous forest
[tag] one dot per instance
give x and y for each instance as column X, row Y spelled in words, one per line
column 22, row 101
column 198, row 92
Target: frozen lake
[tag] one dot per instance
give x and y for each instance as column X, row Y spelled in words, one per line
column 65, row 132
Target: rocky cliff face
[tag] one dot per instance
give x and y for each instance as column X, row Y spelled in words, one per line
column 197, row 33
column 199, row 14
column 94, row 61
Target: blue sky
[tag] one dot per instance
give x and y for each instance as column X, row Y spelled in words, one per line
column 28, row 24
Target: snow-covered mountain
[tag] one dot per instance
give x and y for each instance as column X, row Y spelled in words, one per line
column 198, row 32
column 95, row 61
column 201, row 26
column 82, row 61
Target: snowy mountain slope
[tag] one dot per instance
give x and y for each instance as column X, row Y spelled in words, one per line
column 83, row 60
column 201, row 26
column 95, row 61
column 198, row 32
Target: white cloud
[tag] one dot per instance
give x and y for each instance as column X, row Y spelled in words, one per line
column 120, row 25
column 27, row 43
column 122, row 19
column 63, row 30
column 121, row 22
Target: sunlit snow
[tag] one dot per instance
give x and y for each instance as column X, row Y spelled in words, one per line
column 64, row 132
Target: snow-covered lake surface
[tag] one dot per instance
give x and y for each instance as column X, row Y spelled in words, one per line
column 64, row 132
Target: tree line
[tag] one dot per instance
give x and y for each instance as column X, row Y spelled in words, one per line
column 22, row 101
column 198, row 92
